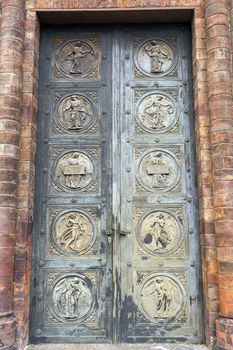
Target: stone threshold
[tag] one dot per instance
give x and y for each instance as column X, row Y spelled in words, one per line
column 115, row 347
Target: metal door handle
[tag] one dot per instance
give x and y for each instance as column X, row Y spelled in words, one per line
column 125, row 233
column 108, row 232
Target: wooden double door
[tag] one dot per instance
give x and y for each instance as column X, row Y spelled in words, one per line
column 116, row 250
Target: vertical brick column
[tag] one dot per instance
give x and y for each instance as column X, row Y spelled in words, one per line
column 11, row 51
column 219, row 77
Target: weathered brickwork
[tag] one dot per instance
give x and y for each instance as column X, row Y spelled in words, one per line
column 212, row 80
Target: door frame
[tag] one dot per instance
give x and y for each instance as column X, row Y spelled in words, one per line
column 204, row 212
column 116, row 132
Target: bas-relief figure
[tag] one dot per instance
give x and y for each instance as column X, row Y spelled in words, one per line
column 75, row 112
column 74, row 170
column 76, row 54
column 159, row 231
column 154, row 57
column 78, row 58
column 157, row 170
column 71, row 297
column 161, row 297
column 73, row 232
column 156, row 112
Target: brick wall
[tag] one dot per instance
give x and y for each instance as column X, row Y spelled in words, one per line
column 212, row 74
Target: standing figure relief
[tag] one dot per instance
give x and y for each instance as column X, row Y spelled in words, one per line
column 75, row 111
column 158, row 54
column 76, row 54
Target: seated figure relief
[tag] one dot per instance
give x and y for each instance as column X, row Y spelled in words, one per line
column 158, row 170
column 74, row 170
column 156, row 112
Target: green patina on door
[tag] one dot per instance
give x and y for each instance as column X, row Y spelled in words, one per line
column 116, row 251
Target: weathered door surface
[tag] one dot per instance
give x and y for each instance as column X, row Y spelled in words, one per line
column 116, row 251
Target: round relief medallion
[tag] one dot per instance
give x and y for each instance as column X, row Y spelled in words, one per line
column 78, row 58
column 156, row 112
column 158, row 170
column 155, row 57
column 75, row 113
column 159, row 232
column 162, row 297
column 72, row 298
column 73, row 232
column 74, row 170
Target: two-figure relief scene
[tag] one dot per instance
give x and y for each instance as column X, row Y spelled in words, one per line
column 71, row 298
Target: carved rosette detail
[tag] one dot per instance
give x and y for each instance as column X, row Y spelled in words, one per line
column 74, row 170
column 162, row 297
column 73, row 232
column 154, row 58
column 77, row 59
column 159, row 232
column 72, row 298
column 156, row 112
column 75, row 113
column 157, row 170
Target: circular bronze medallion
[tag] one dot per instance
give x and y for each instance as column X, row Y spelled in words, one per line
column 159, row 232
column 74, row 170
column 162, row 297
column 72, row 298
column 158, row 170
column 155, row 57
column 73, row 232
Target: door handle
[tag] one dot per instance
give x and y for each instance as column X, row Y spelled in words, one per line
column 108, row 232
column 125, row 233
